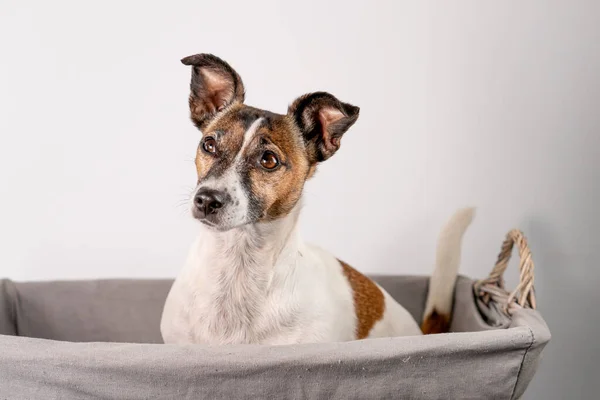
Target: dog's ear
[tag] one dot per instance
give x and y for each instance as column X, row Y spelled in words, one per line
column 214, row 86
column 323, row 120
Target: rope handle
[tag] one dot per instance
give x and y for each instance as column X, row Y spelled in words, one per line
column 492, row 288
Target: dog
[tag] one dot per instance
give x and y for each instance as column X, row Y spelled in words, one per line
column 249, row 278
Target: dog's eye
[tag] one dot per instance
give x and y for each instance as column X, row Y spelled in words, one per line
column 209, row 145
column 269, row 160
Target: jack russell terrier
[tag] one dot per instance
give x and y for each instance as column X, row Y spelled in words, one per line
column 250, row 278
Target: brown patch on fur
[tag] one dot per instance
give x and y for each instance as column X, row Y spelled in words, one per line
column 227, row 145
column 435, row 323
column 280, row 190
column 369, row 303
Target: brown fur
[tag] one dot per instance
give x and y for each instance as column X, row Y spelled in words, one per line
column 227, row 146
column 369, row 303
column 281, row 190
column 435, row 323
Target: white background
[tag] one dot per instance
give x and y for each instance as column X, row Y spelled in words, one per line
column 495, row 105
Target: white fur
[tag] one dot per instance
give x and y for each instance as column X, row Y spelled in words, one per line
column 262, row 284
column 250, row 285
column 447, row 263
column 230, row 180
column 248, row 136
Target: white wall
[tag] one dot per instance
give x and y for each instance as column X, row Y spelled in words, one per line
column 494, row 104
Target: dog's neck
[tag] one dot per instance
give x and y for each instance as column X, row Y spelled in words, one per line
column 261, row 245
column 238, row 269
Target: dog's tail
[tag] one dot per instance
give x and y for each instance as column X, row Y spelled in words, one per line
column 438, row 308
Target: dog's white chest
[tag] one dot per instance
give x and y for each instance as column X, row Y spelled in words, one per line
column 203, row 317
column 206, row 308
column 304, row 301
column 224, row 301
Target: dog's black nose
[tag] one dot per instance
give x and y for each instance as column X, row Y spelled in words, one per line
column 208, row 202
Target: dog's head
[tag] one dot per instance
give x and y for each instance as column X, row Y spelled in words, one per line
column 252, row 163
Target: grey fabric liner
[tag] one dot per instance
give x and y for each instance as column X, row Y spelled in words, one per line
column 475, row 362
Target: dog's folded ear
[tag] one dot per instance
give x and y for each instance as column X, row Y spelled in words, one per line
column 323, row 120
column 214, row 86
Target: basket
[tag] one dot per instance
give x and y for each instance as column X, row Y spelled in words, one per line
column 100, row 340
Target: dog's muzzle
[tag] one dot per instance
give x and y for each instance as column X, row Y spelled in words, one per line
column 208, row 203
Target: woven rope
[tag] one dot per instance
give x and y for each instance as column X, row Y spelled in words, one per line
column 492, row 288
